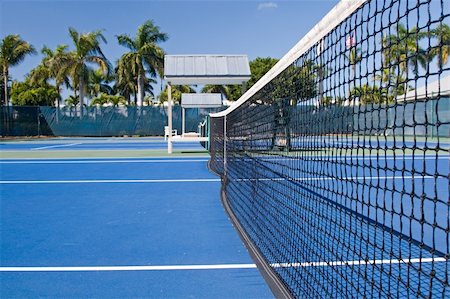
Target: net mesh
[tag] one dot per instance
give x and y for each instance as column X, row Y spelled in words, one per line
column 337, row 169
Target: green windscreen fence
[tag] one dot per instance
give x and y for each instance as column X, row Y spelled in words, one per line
column 96, row 121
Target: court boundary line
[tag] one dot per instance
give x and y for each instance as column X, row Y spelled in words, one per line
column 74, row 161
column 94, row 158
column 199, row 180
column 53, row 146
column 218, row 266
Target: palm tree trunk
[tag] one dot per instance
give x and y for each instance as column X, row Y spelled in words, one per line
column 140, row 86
column 58, row 101
column 5, row 84
column 81, row 93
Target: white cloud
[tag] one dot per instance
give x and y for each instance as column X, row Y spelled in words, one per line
column 267, row 5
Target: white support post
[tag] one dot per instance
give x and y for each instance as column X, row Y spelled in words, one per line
column 169, row 115
column 183, row 119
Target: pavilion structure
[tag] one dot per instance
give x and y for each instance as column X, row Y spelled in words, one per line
column 200, row 70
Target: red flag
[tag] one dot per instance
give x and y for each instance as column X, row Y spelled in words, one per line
column 350, row 42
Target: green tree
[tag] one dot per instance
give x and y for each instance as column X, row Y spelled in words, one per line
column 126, row 80
column 258, row 68
column 99, row 83
column 72, row 101
column 104, row 99
column 401, row 52
column 234, row 92
column 27, row 94
column 13, row 51
column 442, row 50
column 222, row 89
column 296, row 83
column 177, row 90
column 87, row 52
column 54, row 66
column 366, row 94
column 145, row 56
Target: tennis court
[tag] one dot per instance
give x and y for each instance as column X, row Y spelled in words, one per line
column 117, row 227
column 333, row 169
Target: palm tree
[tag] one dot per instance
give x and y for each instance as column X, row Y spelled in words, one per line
column 99, row 83
column 127, row 78
column 87, row 52
column 401, row 51
column 54, row 66
column 104, row 98
column 177, row 90
column 72, row 101
column 222, row 89
column 442, row 33
column 145, row 56
column 367, row 94
column 13, row 51
column 125, row 81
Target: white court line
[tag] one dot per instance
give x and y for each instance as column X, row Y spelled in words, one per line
column 206, row 180
column 111, row 181
column 127, row 268
column 217, row 267
column 101, row 162
column 52, row 146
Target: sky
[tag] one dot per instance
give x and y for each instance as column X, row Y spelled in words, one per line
column 255, row 28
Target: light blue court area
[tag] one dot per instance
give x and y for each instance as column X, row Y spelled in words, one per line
column 110, row 144
column 119, row 228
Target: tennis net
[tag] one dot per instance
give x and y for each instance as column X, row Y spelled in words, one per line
column 335, row 165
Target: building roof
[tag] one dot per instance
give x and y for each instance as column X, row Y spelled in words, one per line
column 201, row 100
column 431, row 90
column 206, row 69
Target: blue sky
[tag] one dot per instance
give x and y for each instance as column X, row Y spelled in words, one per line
column 256, row 28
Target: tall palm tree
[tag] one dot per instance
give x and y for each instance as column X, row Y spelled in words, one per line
column 401, row 50
column 127, row 78
column 54, row 66
column 442, row 51
column 13, row 51
column 87, row 52
column 145, row 56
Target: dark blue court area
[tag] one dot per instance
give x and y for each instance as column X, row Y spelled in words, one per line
column 118, row 228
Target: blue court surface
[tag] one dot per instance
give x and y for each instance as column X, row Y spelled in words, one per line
column 65, row 144
column 119, row 228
